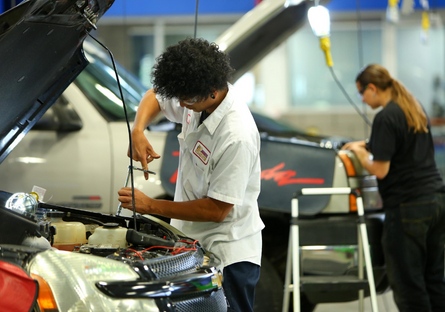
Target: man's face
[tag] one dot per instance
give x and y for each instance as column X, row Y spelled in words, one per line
column 208, row 104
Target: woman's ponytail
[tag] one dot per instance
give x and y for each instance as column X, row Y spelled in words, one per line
column 414, row 113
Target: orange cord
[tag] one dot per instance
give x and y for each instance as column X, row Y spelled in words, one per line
column 175, row 252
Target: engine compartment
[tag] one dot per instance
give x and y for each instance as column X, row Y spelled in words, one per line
column 113, row 237
column 139, row 262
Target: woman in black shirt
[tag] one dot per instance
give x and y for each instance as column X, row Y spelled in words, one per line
column 401, row 155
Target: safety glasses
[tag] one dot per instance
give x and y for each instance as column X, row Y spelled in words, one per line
column 361, row 91
column 190, row 101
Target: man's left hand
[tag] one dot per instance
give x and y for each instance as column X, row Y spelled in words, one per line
column 143, row 202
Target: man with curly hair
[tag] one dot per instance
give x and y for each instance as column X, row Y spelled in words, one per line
column 219, row 172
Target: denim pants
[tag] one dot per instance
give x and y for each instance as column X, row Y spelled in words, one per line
column 413, row 244
column 239, row 284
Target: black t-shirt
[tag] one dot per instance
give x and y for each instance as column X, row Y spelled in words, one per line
column 412, row 172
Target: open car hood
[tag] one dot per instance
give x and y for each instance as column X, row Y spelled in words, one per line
column 40, row 55
column 260, row 31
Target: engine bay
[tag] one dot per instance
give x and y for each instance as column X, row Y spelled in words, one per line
column 40, row 225
column 139, row 263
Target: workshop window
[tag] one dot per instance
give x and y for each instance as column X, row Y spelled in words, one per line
column 143, row 58
column 311, row 83
column 421, row 65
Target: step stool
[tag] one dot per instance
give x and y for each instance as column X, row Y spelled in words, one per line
column 327, row 283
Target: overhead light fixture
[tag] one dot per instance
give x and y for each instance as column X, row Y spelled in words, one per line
column 425, row 27
column 425, row 21
column 392, row 12
column 321, row 26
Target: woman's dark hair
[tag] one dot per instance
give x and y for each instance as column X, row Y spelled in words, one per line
column 380, row 77
column 192, row 68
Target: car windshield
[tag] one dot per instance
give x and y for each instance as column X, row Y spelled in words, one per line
column 278, row 128
column 267, row 124
column 98, row 82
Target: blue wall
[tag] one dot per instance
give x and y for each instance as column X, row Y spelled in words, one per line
column 6, row 4
column 349, row 5
column 187, row 7
column 175, row 7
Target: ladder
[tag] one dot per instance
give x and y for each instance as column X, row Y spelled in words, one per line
column 329, row 282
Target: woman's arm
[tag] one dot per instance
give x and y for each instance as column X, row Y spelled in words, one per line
column 376, row 167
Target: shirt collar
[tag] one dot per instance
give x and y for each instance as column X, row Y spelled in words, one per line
column 212, row 122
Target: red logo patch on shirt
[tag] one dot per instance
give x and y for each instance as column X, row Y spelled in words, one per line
column 201, row 152
column 189, row 117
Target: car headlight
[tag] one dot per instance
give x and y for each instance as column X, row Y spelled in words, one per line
column 71, row 278
column 22, row 203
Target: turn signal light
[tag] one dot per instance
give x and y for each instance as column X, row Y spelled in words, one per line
column 46, row 300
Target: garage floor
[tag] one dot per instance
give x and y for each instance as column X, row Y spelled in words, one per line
column 385, row 304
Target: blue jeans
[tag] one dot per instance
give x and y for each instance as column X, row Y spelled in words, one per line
column 239, row 284
column 413, row 244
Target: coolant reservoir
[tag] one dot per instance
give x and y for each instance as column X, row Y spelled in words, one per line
column 68, row 234
column 109, row 233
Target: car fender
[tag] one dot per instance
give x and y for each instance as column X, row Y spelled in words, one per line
column 287, row 166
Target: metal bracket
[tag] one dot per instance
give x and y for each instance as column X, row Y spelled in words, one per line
column 88, row 14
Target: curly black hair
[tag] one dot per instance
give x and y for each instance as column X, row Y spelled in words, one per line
column 192, row 68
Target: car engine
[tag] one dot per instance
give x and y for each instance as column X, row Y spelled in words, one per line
column 171, row 268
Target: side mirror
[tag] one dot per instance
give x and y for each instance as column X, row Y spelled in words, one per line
column 60, row 117
column 49, row 121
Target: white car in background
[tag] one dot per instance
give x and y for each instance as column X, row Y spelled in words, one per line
column 78, row 150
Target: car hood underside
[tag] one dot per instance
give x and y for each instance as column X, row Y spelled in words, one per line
column 40, row 55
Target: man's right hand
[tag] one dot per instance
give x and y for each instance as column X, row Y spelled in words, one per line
column 142, row 150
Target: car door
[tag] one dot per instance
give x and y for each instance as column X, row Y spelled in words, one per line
column 67, row 153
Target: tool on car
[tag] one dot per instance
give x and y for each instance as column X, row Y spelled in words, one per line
column 147, row 171
column 119, row 208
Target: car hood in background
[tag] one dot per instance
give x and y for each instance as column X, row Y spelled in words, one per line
column 260, row 31
column 40, row 55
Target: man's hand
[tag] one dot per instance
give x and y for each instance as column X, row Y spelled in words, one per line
column 142, row 150
column 143, row 202
column 201, row 210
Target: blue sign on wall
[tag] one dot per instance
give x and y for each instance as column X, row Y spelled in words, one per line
column 376, row 5
column 177, row 7
column 187, row 7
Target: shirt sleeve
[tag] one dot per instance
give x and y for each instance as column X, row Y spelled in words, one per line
column 230, row 177
column 383, row 140
column 171, row 109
